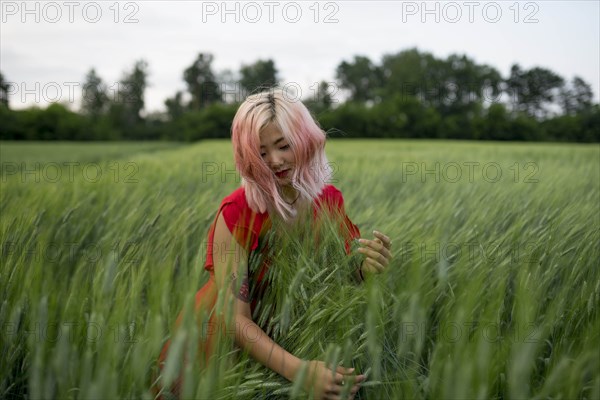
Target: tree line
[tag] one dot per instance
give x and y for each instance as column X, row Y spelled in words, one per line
column 410, row 94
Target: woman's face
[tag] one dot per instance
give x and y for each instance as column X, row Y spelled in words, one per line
column 277, row 153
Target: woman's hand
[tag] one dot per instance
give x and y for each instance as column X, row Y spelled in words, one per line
column 323, row 383
column 377, row 253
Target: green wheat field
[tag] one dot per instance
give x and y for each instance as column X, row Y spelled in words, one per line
column 493, row 292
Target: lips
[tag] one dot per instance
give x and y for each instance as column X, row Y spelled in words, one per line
column 282, row 174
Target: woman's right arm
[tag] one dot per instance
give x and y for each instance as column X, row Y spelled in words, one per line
column 230, row 267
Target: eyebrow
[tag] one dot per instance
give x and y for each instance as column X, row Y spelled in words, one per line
column 275, row 142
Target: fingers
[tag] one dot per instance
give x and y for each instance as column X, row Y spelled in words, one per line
column 387, row 242
column 373, row 266
column 334, row 392
column 337, row 394
column 344, row 370
column 342, row 376
column 354, row 390
column 342, row 379
column 339, row 378
column 377, row 247
column 380, row 254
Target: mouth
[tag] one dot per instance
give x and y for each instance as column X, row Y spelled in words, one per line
column 282, row 174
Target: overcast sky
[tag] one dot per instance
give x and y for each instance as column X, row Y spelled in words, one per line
column 51, row 45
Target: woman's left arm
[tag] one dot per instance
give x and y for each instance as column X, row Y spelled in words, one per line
column 377, row 252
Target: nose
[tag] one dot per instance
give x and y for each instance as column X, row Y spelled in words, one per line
column 274, row 160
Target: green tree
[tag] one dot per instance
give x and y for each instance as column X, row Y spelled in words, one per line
column 3, row 91
column 464, row 85
column 590, row 125
column 56, row 122
column 361, row 77
column 258, row 76
column 229, row 84
column 321, row 100
column 212, row 122
column 456, row 85
column 201, row 82
column 124, row 112
column 576, row 97
column 94, row 101
column 411, row 74
column 134, row 85
column 533, row 90
column 324, row 95
column 175, row 106
column 497, row 123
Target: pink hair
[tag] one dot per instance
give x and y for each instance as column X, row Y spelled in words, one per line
column 306, row 139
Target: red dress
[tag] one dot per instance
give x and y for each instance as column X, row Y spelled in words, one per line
column 248, row 227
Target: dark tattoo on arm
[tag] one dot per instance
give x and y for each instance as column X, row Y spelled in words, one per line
column 244, row 290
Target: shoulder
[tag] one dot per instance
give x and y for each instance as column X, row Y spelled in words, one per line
column 330, row 191
column 238, row 214
column 235, row 207
column 330, row 196
column 238, row 197
column 236, row 201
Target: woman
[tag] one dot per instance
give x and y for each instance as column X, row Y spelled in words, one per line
column 279, row 153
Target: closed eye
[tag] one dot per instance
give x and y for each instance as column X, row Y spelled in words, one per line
column 287, row 146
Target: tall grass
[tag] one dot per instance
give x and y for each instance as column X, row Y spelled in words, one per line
column 493, row 291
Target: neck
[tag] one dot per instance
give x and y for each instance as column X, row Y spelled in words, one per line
column 289, row 194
